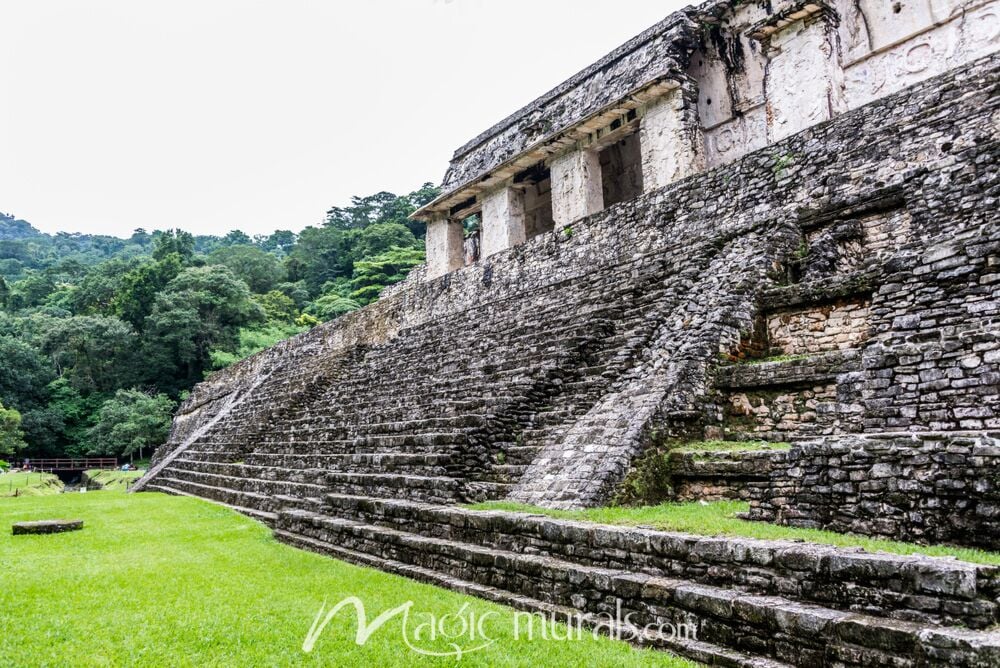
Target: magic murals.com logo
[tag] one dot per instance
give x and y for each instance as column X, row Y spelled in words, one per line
column 465, row 631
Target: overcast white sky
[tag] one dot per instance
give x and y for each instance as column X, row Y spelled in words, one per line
column 213, row 115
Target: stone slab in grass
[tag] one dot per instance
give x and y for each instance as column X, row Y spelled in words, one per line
column 46, row 526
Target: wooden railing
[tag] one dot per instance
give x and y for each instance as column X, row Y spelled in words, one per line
column 73, row 464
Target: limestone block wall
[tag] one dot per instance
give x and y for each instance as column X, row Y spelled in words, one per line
column 787, row 400
column 785, row 413
column 923, row 487
column 934, row 360
column 697, row 476
column 817, row 329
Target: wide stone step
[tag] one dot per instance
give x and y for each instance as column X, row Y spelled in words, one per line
column 432, row 489
column 244, row 501
column 373, row 462
column 322, row 442
column 374, row 424
column 912, row 588
column 298, row 483
column 487, row 490
column 704, row 652
column 163, row 484
column 767, row 626
column 522, row 454
column 509, row 471
column 312, row 468
column 811, row 369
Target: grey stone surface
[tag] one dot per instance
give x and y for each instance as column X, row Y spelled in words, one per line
column 921, row 487
column 45, row 527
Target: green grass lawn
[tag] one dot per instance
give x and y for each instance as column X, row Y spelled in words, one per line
column 113, row 480
column 17, row 483
column 155, row 580
column 719, row 519
column 729, row 446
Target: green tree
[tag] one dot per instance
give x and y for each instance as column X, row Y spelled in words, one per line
column 296, row 291
column 32, row 290
column 130, row 423
column 257, row 268
column 11, row 437
column 374, row 274
column 4, row 292
column 71, row 415
column 281, row 242
column 252, row 341
column 328, row 307
column 236, row 238
column 96, row 292
column 94, row 353
column 322, row 254
column 173, row 242
column 203, row 308
column 140, row 237
column 24, row 374
column 278, row 307
column 382, row 207
column 380, row 237
column 140, row 286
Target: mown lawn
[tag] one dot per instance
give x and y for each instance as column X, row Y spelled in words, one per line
column 719, row 519
column 730, row 446
column 113, row 480
column 18, row 483
column 155, row 580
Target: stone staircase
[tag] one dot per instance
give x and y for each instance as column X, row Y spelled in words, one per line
column 433, row 415
column 723, row 601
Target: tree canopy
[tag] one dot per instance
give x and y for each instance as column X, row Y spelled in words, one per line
column 11, row 438
column 100, row 337
column 131, row 423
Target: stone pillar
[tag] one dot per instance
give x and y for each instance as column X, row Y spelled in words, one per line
column 670, row 141
column 445, row 252
column 576, row 187
column 503, row 221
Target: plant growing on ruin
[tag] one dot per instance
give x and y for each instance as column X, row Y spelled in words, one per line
column 783, row 162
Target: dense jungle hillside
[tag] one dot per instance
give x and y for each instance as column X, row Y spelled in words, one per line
column 101, row 337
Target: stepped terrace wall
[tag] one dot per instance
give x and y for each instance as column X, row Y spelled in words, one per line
column 931, row 151
column 736, row 602
column 914, row 588
column 924, row 487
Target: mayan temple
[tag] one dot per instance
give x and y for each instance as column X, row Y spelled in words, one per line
column 761, row 221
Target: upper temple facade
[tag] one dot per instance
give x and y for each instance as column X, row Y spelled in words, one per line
column 699, row 89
